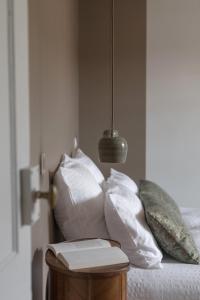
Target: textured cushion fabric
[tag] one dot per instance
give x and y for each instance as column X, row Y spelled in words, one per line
column 126, row 223
column 79, row 211
column 166, row 223
column 82, row 158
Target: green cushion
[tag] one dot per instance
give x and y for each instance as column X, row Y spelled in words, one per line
column 165, row 221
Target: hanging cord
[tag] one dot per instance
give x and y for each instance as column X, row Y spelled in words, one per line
column 113, row 54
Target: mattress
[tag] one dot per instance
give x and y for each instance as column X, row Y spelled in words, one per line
column 176, row 281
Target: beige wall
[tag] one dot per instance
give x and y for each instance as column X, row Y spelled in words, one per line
column 172, row 90
column 54, row 90
column 94, row 78
column 54, row 103
column 173, row 97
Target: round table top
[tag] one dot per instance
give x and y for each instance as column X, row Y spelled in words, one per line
column 108, row 271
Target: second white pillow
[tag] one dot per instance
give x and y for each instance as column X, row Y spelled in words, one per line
column 126, row 223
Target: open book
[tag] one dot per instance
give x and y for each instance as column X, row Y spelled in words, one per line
column 88, row 254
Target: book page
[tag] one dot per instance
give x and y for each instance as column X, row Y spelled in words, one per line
column 78, row 246
column 92, row 258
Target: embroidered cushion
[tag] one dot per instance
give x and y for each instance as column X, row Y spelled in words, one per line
column 166, row 223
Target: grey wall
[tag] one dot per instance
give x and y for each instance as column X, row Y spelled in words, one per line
column 173, row 97
column 53, row 30
column 95, row 83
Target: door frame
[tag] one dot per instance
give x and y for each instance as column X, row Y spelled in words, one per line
column 15, row 269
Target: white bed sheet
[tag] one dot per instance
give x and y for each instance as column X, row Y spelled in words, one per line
column 176, row 281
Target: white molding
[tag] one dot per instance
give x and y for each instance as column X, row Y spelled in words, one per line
column 13, row 159
column 12, row 96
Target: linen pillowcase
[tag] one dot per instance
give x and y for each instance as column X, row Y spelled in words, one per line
column 126, row 223
column 79, row 211
column 121, row 178
column 166, row 223
column 82, row 158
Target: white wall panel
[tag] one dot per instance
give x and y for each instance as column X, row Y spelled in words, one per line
column 173, row 98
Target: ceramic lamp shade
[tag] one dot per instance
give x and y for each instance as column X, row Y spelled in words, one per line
column 112, row 147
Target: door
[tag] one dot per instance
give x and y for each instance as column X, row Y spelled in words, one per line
column 15, row 250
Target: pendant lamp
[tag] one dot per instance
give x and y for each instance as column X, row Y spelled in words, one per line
column 112, row 147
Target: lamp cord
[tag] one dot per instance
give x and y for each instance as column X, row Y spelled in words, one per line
column 113, row 53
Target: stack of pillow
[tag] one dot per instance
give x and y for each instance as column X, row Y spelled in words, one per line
column 88, row 206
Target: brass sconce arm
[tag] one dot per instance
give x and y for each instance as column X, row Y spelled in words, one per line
column 51, row 196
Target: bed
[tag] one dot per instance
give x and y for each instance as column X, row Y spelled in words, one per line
column 176, row 281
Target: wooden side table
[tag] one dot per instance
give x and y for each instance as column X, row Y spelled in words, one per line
column 107, row 283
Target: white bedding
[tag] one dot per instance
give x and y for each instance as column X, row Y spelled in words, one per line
column 176, row 281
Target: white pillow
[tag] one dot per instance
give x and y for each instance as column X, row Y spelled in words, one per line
column 123, row 179
column 82, row 158
column 79, row 211
column 126, row 224
column 191, row 217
